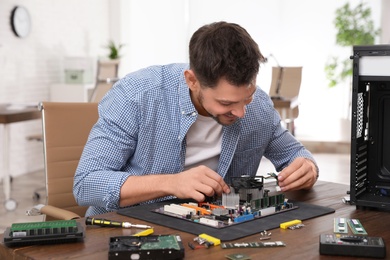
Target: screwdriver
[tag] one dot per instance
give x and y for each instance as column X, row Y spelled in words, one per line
column 111, row 223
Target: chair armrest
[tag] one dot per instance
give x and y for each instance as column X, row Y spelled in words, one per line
column 53, row 212
column 59, row 213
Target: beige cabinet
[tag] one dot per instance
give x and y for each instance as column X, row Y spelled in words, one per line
column 71, row 92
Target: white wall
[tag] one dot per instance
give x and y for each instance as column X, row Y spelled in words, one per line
column 28, row 66
column 296, row 32
column 154, row 32
column 385, row 24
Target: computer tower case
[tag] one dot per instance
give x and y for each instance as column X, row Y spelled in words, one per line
column 370, row 129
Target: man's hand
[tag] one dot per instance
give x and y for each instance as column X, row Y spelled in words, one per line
column 199, row 182
column 300, row 174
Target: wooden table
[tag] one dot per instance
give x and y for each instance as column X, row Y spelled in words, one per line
column 11, row 114
column 300, row 243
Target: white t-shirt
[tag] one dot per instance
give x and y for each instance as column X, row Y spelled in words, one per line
column 204, row 140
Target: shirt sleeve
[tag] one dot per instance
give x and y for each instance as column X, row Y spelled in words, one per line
column 100, row 173
column 284, row 148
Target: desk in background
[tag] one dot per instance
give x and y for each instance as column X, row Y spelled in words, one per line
column 300, row 243
column 11, row 114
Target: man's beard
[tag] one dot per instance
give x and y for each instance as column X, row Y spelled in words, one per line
column 216, row 118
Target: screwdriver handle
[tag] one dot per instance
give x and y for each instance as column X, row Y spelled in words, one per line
column 103, row 222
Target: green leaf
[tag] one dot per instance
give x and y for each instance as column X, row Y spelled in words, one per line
column 354, row 27
column 114, row 50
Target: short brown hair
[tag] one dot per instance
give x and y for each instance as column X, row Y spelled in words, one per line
column 224, row 50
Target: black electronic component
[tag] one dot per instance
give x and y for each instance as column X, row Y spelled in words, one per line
column 247, row 182
column 359, row 246
column 354, row 239
column 248, row 205
column 370, row 141
column 148, row 247
column 47, row 232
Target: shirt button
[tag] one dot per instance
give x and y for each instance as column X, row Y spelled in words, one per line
column 183, row 112
column 193, row 114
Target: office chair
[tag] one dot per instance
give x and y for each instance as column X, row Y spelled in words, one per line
column 284, row 91
column 66, row 128
column 106, row 76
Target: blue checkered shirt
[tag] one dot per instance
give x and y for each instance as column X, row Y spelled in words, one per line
column 143, row 121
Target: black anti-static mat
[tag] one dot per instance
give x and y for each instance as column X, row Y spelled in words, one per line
column 303, row 212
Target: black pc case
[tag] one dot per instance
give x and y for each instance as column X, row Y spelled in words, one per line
column 370, row 131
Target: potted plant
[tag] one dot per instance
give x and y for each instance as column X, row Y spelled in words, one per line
column 108, row 67
column 354, row 27
column 114, row 50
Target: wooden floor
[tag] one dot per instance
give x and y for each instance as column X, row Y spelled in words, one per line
column 333, row 168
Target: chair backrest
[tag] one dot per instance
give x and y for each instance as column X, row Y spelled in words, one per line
column 107, row 69
column 106, row 76
column 66, row 128
column 288, row 80
column 100, row 90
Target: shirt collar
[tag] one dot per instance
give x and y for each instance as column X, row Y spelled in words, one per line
column 186, row 105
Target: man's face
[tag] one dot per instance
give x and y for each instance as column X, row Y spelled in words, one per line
column 225, row 102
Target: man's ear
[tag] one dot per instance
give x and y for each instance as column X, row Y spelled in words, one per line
column 191, row 79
